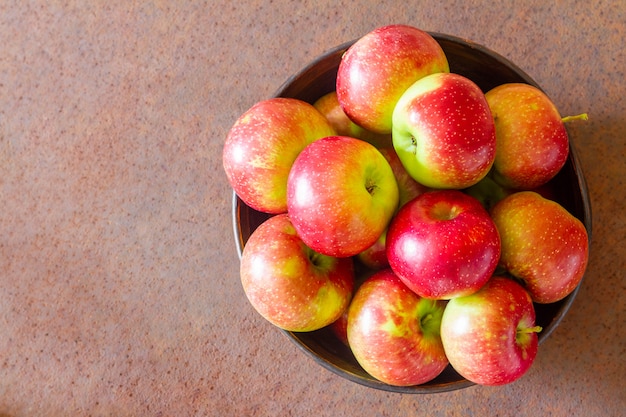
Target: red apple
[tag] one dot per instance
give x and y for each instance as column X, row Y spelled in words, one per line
column 379, row 67
column 289, row 284
column 543, row 245
column 394, row 333
column 532, row 143
column 443, row 131
column 490, row 336
column 443, row 244
column 341, row 195
column 262, row 145
column 329, row 106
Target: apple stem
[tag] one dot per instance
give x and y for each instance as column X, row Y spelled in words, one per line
column 535, row 329
column 424, row 320
column 582, row 116
column 314, row 257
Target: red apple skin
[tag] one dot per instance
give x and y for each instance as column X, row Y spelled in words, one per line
column 340, row 328
column 443, row 131
column 443, row 244
column 532, row 142
column 375, row 257
column 289, row 284
column 379, row 67
column 394, row 333
column 341, row 195
column 490, row 336
column 262, row 145
column 329, row 106
column 543, row 245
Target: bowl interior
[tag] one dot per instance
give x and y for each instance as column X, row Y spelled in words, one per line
column 487, row 69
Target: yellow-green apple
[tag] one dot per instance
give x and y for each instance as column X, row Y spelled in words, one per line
column 443, row 244
column 375, row 256
column 490, row 337
column 532, row 142
column 329, row 106
column 543, row 245
column 288, row 283
column 341, row 195
column 394, row 333
column 488, row 192
column 262, row 145
column 443, row 131
column 379, row 67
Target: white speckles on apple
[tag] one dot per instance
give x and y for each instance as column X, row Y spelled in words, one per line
column 453, row 129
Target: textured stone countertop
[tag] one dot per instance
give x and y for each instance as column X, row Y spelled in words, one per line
column 119, row 278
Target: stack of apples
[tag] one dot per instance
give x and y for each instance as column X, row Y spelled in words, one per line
column 408, row 212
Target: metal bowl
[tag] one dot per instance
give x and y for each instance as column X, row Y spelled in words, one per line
column 487, row 69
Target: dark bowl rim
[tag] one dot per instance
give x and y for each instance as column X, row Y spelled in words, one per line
column 448, row 386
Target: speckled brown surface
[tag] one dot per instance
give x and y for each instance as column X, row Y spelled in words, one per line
column 119, row 288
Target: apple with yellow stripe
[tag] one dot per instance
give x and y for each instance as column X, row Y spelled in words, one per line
column 394, row 333
column 289, row 284
column 532, row 142
column 543, row 245
column 263, row 143
column 341, row 195
column 376, row 70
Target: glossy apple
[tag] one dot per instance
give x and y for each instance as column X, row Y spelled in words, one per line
column 543, row 245
column 341, row 195
column 394, row 333
column 532, row 143
column 289, row 284
column 443, row 131
column 490, row 337
column 443, row 244
column 379, row 67
column 262, row 145
column 329, row 106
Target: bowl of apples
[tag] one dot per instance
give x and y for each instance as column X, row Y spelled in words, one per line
column 409, row 211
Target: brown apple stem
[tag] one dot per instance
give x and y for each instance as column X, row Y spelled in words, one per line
column 582, row 116
column 535, row 329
